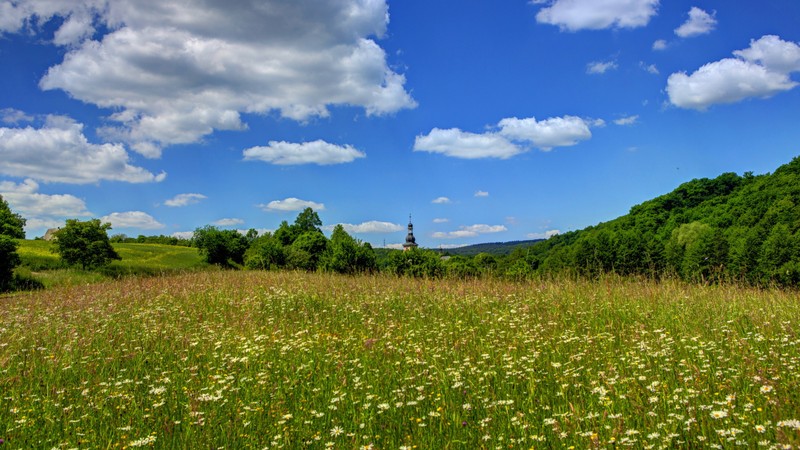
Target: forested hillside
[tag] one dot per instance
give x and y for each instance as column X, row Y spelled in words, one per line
column 492, row 248
column 731, row 227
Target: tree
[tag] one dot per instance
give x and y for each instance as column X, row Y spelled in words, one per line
column 344, row 254
column 11, row 225
column 85, row 243
column 307, row 221
column 266, row 253
column 9, row 259
column 306, row 251
column 416, row 262
column 221, row 247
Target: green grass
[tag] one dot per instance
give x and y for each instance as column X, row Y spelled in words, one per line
column 137, row 259
column 293, row 360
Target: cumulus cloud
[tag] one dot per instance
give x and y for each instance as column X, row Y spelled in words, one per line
column 481, row 194
column 372, row 226
column 699, row 22
column 574, row 15
column 469, row 231
column 184, row 200
column 660, row 44
column 176, row 71
column 761, row 70
column 291, row 204
column 629, row 120
column 441, row 220
column 511, row 137
column 546, row 235
column 13, row 116
column 316, row 152
column 546, row 134
column 228, row 222
column 460, row 144
column 600, row 67
column 394, row 246
column 41, row 210
column 441, row 201
column 132, row 219
column 60, row 152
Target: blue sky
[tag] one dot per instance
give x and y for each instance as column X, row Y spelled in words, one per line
column 486, row 120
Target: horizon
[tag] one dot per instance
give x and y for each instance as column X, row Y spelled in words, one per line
column 490, row 122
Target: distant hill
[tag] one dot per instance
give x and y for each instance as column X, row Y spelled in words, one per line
column 493, row 248
column 744, row 228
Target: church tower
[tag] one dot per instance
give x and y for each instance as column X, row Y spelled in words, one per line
column 411, row 242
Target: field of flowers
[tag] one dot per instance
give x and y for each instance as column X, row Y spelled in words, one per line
column 289, row 360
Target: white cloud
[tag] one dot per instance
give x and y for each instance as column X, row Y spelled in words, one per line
column 460, row 144
column 441, row 201
column 183, row 234
column 41, row 210
column 546, row 134
column 546, row 235
column 699, row 22
column 773, row 53
column 132, row 219
column 229, row 222
column 600, row 67
column 59, row 152
column 513, row 137
column 372, row 226
column 574, row 15
column 394, row 246
column 660, row 44
column 762, row 70
column 184, row 200
column 440, row 220
column 13, row 116
column 291, row 204
column 316, row 152
column 481, row 194
column 649, row 68
column 176, row 71
column 469, row 231
column 629, row 120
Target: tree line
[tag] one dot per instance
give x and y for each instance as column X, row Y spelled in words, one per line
column 730, row 228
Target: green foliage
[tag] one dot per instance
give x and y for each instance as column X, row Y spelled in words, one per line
column 306, row 251
column 11, row 224
column 224, row 248
column 85, row 243
column 744, row 228
column 142, row 239
column 344, row 254
column 9, row 259
column 266, row 253
column 416, row 262
column 11, row 228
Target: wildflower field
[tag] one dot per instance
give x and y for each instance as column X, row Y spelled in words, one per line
column 224, row 359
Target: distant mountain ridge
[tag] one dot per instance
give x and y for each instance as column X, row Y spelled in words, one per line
column 492, row 248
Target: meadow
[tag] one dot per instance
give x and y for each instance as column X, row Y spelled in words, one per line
column 41, row 263
column 246, row 359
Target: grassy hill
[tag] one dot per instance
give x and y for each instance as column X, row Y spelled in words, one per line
column 137, row 259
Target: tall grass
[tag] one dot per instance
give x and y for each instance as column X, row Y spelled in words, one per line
column 291, row 360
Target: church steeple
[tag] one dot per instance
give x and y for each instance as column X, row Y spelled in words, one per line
column 411, row 242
